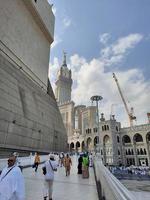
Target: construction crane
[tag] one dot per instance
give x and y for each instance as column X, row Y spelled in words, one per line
column 129, row 112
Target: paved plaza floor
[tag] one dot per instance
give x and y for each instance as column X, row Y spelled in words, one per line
column 141, row 189
column 65, row 188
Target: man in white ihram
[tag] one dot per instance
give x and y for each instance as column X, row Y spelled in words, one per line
column 12, row 182
column 51, row 166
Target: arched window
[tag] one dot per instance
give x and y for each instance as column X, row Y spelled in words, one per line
column 96, row 140
column 145, row 151
column 129, row 152
column 118, row 140
column 106, row 139
column 137, row 138
column 126, row 139
column 71, row 146
column 77, row 145
column 141, row 151
column 118, row 152
column 138, row 152
column 89, row 142
column 107, row 127
column 83, row 146
column 132, row 152
column 146, row 162
column 116, row 128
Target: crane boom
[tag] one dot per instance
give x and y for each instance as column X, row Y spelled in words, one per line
column 130, row 114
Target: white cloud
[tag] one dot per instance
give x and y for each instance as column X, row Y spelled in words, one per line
column 103, row 38
column 125, row 43
column 53, row 69
column 117, row 51
column 66, row 22
column 91, row 78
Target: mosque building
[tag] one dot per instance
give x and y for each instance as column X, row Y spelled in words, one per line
column 117, row 146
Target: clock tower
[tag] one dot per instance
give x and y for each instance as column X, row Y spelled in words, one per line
column 63, row 83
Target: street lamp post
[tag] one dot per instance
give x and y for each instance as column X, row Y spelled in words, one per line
column 97, row 98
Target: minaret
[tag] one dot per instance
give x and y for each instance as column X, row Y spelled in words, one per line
column 63, row 83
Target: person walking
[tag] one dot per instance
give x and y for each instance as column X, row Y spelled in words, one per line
column 80, row 160
column 18, row 163
column 85, row 166
column 61, row 159
column 67, row 164
column 48, row 170
column 36, row 161
column 91, row 160
column 12, row 182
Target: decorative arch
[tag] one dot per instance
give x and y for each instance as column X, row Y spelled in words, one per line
column 96, row 140
column 77, row 145
column 71, row 146
column 83, row 146
column 126, row 139
column 106, row 140
column 137, row 138
column 89, row 143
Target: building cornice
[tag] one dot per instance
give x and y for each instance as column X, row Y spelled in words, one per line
column 43, row 15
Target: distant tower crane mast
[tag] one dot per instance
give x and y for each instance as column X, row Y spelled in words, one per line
column 130, row 113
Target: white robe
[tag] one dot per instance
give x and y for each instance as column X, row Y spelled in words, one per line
column 12, row 185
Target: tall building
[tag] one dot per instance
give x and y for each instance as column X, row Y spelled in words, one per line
column 63, row 83
column 29, row 116
column 127, row 146
column 63, row 96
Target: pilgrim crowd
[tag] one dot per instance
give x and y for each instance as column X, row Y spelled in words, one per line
column 12, row 184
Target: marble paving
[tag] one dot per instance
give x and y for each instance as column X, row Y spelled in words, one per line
column 65, row 188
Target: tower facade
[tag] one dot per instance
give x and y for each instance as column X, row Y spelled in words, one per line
column 63, row 83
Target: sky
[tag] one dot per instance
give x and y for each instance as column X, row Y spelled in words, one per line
column 102, row 37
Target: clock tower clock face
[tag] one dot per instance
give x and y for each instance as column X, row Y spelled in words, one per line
column 65, row 73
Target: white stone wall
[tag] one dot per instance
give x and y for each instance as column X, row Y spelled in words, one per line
column 29, row 119
column 23, row 40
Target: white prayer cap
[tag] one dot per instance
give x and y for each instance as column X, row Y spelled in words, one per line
column 51, row 156
column 15, row 154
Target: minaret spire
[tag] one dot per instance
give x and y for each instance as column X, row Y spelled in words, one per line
column 64, row 59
